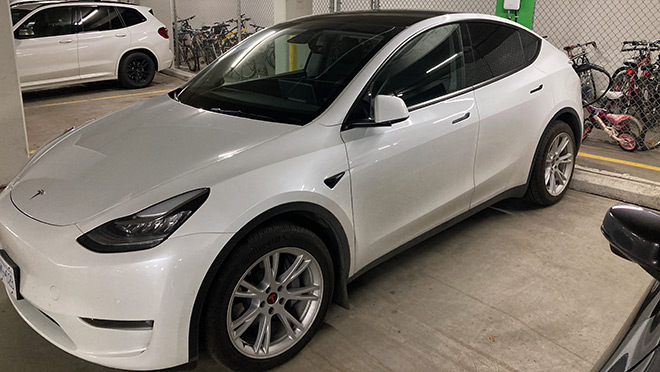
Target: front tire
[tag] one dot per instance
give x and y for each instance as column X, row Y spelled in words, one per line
column 136, row 70
column 553, row 165
column 269, row 299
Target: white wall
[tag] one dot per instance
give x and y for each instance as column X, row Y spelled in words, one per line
column 13, row 137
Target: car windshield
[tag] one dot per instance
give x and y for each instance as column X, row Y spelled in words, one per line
column 289, row 73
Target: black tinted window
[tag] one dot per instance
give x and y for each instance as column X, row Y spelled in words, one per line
column 530, row 44
column 94, row 19
column 131, row 16
column 17, row 14
column 48, row 22
column 427, row 67
column 495, row 50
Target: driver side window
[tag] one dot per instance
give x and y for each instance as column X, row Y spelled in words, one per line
column 48, row 22
column 428, row 67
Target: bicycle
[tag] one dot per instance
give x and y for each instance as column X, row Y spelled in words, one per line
column 624, row 129
column 186, row 52
column 637, row 83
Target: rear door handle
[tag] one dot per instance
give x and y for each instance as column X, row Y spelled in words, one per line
column 120, row 35
column 536, row 89
column 464, row 117
column 66, row 41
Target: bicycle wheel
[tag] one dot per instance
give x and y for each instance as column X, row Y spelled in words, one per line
column 191, row 58
column 209, row 54
column 650, row 137
column 246, row 70
column 594, row 81
column 628, row 142
column 588, row 127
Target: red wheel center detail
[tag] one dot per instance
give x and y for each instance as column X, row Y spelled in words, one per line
column 272, row 298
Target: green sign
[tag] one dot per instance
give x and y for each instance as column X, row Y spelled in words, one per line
column 524, row 16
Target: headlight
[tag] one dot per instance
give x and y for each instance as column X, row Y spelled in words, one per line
column 145, row 229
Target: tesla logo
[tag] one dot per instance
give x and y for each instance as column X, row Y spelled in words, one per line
column 39, row 193
column 272, row 298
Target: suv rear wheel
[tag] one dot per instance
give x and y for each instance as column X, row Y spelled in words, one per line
column 136, row 70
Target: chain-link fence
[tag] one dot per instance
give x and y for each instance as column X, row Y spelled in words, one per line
column 634, row 66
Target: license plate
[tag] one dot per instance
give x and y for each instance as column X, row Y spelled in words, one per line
column 9, row 274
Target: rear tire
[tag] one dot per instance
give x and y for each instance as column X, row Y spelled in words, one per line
column 136, row 70
column 256, row 318
column 552, row 168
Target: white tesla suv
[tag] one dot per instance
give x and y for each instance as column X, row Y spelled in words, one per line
column 231, row 211
column 59, row 43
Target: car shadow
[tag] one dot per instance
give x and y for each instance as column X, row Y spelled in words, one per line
column 71, row 90
column 408, row 256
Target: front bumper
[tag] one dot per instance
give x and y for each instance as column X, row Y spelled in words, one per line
column 63, row 283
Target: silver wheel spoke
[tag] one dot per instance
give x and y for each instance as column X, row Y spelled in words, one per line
column 565, row 159
column 297, row 268
column 252, row 291
column 245, row 321
column 263, row 336
column 303, row 293
column 561, row 146
column 553, row 182
column 562, row 178
column 287, row 327
column 270, row 269
column 293, row 319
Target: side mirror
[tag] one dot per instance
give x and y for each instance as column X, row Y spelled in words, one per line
column 25, row 32
column 389, row 110
column 634, row 234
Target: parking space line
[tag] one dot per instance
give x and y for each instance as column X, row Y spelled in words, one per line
column 101, row 98
column 619, row 161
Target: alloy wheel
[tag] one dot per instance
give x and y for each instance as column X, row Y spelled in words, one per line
column 275, row 303
column 559, row 164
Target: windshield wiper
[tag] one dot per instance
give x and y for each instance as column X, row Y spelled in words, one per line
column 241, row 114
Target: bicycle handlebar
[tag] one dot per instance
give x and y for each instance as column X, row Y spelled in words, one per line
column 635, row 45
column 571, row 47
column 187, row 19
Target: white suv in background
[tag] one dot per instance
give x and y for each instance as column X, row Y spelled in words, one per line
column 73, row 42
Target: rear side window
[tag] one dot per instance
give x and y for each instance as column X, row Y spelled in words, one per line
column 130, row 16
column 100, row 18
column 494, row 51
column 531, row 45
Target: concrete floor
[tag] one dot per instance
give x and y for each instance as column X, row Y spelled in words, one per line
column 514, row 288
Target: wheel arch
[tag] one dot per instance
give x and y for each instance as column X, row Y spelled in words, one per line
column 311, row 216
column 127, row 52
column 570, row 117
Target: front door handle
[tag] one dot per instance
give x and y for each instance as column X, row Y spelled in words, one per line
column 464, row 117
column 66, row 41
column 120, row 35
column 536, row 89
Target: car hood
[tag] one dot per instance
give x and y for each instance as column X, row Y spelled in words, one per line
column 110, row 161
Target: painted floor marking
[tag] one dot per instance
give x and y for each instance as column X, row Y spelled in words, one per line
column 619, row 161
column 101, row 98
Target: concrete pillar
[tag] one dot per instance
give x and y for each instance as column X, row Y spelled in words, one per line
column 13, row 136
column 289, row 9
